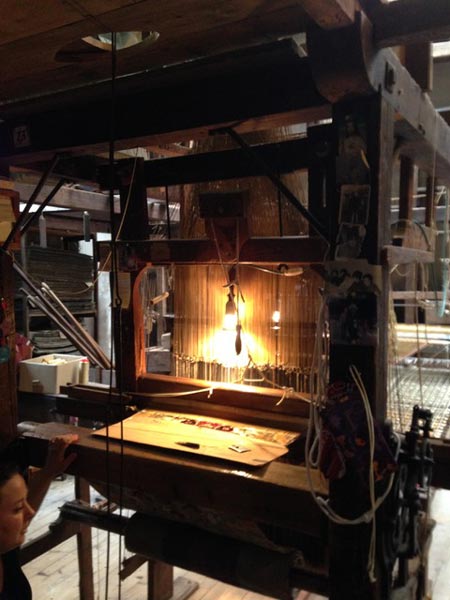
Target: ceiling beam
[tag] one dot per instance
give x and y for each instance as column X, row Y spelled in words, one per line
column 258, row 89
column 411, row 21
column 68, row 197
column 330, row 14
column 293, row 250
column 283, row 157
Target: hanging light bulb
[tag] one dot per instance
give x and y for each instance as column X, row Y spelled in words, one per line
column 276, row 316
column 230, row 317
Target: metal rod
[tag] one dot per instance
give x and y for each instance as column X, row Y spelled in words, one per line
column 33, row 216
column 97, row 349
column 69, row 333
column 98, row 360
column 34, row 195
column 50, row 311
column 277, row 182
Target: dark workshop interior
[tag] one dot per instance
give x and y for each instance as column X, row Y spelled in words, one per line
column 225, row 266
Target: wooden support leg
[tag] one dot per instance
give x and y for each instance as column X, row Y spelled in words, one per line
column 161, row 585
column 160, row 581
column 84, row 546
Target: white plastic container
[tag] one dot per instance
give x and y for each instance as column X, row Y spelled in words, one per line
column 35, row 375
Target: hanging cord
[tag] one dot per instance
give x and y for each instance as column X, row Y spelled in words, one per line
column 113, row 276
column 444, row 258
column 312, row 449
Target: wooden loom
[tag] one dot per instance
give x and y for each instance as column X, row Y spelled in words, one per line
column 271, row 506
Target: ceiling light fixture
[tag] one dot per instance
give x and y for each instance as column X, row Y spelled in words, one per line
column 93, row 47
column 124, row 39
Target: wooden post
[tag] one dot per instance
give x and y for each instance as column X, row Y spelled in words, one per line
column 349, row 545
column 8, row 392
column 84, row 546
column 160, row 580
column 128, row 315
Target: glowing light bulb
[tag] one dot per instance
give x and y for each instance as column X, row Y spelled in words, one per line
column 230, row 317
column 276, row 316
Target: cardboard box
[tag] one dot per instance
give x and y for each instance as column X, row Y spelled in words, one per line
column 35, row 375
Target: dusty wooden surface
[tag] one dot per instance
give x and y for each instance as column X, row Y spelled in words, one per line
column 277, row 493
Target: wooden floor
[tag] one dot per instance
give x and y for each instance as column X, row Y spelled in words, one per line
column 54, row 576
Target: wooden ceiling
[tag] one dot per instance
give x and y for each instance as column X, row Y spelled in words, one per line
column 194, row 36
column 33, row 33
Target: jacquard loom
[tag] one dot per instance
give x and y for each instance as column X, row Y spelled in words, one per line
column 290, row 235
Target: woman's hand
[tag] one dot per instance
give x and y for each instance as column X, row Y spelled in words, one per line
column 57, row 462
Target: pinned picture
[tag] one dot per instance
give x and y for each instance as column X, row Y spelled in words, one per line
column 350, row 241
column 352, row 291
column 354, row 204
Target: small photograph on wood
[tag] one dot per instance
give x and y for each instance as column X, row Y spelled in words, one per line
column 350, row 241
column 352, row 291
column 354, row 204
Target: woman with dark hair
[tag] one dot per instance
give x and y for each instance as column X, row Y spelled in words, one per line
column 18, row 505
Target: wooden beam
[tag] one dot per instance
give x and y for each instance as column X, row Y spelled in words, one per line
column 398, row 255
column 262, row 88
column 330, row 14
column 283, row 157
column 410, row 21
column 69, row 197
column 134, row 255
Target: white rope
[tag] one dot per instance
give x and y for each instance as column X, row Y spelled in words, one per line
column 312, row 449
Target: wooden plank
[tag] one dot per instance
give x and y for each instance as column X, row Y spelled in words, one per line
column 410, row 21
column 330, row 14
column 230, row 394
column 283, row 157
